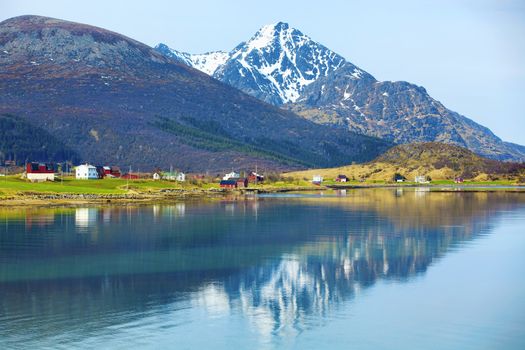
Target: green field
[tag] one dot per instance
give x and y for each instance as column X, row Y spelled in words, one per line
column 14, row 184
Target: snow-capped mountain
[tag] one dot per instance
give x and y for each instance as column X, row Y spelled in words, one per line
column 274, row 65
column 284, row 67
column 207, row 62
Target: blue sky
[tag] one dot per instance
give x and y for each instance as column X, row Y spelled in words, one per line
column 470, row 55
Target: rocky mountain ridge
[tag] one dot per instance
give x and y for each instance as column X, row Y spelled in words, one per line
column 285, row 67
column 113, row 100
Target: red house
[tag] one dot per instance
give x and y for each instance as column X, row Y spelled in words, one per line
column 113, row 171
column 242, row 182
column 40, row 172
column 228, row 184
column 255, row 178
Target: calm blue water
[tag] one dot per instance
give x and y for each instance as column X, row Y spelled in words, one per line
column 362, row 269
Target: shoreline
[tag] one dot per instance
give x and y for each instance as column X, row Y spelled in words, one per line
column 76, row 199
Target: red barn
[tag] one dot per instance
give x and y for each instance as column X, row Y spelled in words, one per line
column 228, row 184
column 37, row 172
column 113, row 171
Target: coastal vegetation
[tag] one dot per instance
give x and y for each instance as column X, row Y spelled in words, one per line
column 440, row 162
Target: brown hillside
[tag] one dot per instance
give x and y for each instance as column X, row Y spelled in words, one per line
column 113, row 100
column 436, row 160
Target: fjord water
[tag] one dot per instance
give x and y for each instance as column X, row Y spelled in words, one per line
column 396, row 269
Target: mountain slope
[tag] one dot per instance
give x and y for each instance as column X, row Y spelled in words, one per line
column 112, row 99
column 397, row 111
column 281, row 65
column 23, row 142
column 437, row 160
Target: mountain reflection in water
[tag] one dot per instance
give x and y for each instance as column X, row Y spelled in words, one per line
column 68, row 273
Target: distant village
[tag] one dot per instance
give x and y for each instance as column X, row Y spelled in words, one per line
column 41, row 171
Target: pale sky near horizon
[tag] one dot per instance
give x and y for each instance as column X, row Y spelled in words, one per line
column 468, row 54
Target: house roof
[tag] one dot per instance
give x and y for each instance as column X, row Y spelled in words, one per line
column 228, row 182
column 89, row 166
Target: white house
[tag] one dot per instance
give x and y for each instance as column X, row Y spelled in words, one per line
column 86, row 172
column 174, row 176
column 317, row 179
column 421, row 180
column 156, row 176
column 232, row 175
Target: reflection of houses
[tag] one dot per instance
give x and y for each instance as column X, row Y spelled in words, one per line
column 38, row 172
column 85, row 217
column 86, row 172
column 421, row 191
column 170, row 211
column 177, row 210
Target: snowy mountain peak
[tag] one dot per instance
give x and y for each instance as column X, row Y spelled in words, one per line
column 275, row 65
column 269, row 33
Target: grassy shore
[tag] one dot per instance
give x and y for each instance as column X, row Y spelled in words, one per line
column 17, row 191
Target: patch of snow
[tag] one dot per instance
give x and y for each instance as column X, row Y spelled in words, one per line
column 346, row 94
column 262, row 38
column 385, row 94
column 357, row 74
column 209, row 62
